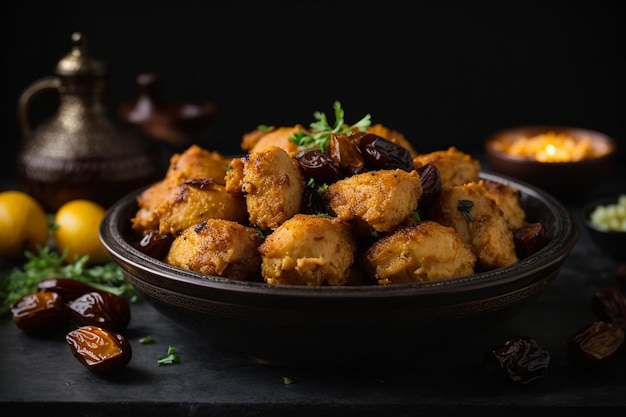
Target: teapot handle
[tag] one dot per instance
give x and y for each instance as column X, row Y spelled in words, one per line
column 32, row 91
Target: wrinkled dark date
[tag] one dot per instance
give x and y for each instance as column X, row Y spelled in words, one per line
column 595, row 344
column 155, row 244
column 521, row 359
column 345, row 152
column 609, row 304
column 101, row 309
column 431, row 186
column 99, row 350
column 39, row 312
column 380, row 153
column 68, row 289
column 529, row 239
column 319, row 166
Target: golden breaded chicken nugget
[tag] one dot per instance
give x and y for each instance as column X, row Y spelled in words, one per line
column 479, row 223
column 383, row 199
column 218, row 247
column 308, row 250
column 426, row 251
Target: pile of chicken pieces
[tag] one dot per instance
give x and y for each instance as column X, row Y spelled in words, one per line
column 242, row 218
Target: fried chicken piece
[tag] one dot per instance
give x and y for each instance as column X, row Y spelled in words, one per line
column 259, row 140
column 218, row 247
column 507, row 198
column 193, row 201
column 392, row 136
column 479, row 223
column 194, row 163
column 272, row 183
column 382, row 199
column 425, row 251
column 456, row 167
column 308, row 250
column 146, row 218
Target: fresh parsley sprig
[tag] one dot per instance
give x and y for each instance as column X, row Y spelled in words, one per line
column 170, row 358
column 321, row 129
column 48, row 263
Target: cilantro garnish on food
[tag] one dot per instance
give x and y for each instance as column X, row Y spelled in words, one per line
column 465, row 206
column 320, row 130
column 51, row 264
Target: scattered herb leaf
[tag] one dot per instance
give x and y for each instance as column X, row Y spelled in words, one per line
column 287, row 380
column 146, row 340
column 464, row 206
column 170, row 358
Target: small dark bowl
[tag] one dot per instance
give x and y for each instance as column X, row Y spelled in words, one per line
column 346, row 326
column 611, row 242
column 562, row 179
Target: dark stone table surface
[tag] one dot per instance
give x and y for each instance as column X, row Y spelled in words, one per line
column 39, row 375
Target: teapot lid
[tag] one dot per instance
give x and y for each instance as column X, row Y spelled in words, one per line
column 79, row 61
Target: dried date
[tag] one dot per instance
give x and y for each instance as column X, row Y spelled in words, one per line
column 609, row 304
column 68, row 289
column 101, row 308
column 593, row 345
column 380, row 153
column 39, row 312
column 521, row 359
column 430, row 177
column 99, row 350
column 319, row 166
column 529, row 239
column 155, row 244
column 345, row 152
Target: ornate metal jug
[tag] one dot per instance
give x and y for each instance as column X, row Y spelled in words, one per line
column 79, row 152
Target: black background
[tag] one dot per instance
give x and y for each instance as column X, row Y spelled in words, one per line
column 443, row 74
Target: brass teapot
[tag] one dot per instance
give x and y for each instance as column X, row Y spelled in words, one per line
column 79, row 152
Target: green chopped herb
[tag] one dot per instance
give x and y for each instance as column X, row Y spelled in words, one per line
column 170, row 358
column 464, row 206
column 51, row 264
column 265, row 128
column 146, row 340
column 320, row 130
column 287, row 380
column 416, row 216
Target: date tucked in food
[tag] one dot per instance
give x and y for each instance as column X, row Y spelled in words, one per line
column 521, row 359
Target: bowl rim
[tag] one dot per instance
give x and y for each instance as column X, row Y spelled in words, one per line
column 509, row 133
column 591, row 205
column 549, row 258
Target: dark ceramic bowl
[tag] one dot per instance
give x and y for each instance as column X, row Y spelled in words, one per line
column 611, row 242
column 299, row 325
column 562, row 179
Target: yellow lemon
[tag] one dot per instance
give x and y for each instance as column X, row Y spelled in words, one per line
column 24, row 224
column 77, row 225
